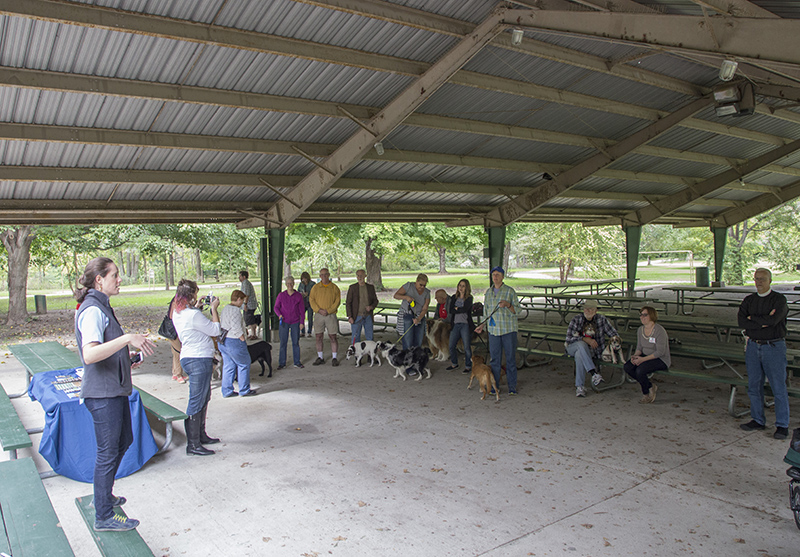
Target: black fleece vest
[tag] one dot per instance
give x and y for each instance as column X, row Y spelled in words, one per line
column 110, row 377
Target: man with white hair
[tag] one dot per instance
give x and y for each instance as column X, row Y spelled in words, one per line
column 763, row 317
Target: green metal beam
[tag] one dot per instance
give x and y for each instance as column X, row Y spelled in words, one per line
column 276, row 238
column 497, row 244
column 633, row 237
column 720, row 238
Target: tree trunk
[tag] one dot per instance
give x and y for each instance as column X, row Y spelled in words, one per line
column 172, row 268
column 506, row 256
column 441, row 252
column 121, row 260
column 18, row 245
column 198, row 265
column 373, row 266
column 166, row 273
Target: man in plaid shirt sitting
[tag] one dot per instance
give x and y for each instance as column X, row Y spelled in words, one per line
column 586, row 340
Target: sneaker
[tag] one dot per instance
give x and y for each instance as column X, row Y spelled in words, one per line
column 752, row 425
column 116, row 523
column 318, row 362
column 597, row 379
column 512, row 393
column 451, row 367
column 334, row 362
column 115, row 502
column 580, row 392
column 280, row 367
column 251, row 392
column 781, row 433
column 467, row 370
column 232, row 393
column 299, row 366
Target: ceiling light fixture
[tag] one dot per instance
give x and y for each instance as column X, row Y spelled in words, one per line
column 516, row 37
column 728, row 69
column 379, row 148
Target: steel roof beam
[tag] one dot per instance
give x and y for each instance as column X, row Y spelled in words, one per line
column 741, row 37
column 121, row 21
column 736, row 8
column 164, row 140
column 753, row 208
column 676, row 201
column 514, row 210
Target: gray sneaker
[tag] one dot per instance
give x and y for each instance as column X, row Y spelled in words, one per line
column 580, row 391
column 597, row 379
column 318, row 362
column 334, row 362
column 116, row 523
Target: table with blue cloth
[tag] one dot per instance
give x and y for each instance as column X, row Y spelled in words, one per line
column 68, row 442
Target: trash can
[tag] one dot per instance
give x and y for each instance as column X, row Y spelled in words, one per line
column 41, row 304
column 701, row 276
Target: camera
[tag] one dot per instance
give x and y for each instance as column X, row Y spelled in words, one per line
column 136, row 358
column 207, row 299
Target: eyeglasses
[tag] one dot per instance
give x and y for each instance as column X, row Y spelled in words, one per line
column 645, row 314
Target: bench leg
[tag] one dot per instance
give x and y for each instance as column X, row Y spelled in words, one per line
column 732, row 405
column 168, row 440
column 12, row 454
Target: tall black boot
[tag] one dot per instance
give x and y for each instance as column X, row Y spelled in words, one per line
column 193, row 446
column 204, row 438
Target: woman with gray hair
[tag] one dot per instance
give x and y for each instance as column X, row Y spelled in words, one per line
column 235, row 357
column 290, row 309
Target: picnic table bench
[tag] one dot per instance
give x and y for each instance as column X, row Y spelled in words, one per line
column 51, row 356
column 30, row 524
column 112, row 544
column 12, row 433
column 569, row 302
column 691, row 296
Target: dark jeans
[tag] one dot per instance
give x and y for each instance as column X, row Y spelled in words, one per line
column 498, row 345
column 199, row 372
column 415, row 337
column 310, row 318
column 461, row 331
column 112, row 429
column 641, row 372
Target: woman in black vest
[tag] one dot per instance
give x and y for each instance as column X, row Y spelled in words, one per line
column 106, row 385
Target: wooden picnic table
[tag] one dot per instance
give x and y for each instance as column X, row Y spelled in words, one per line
column 595, row 287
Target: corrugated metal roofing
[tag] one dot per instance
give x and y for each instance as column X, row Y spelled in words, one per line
column 479, row 143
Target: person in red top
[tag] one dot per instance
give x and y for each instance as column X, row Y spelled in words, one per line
column 441, row 304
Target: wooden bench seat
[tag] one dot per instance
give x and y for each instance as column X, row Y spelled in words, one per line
column 12, row 433
column 30, row 523
column 112, row 544
column 163, row 412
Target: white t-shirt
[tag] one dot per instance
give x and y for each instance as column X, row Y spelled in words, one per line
column 195, row 331
column 92, row 323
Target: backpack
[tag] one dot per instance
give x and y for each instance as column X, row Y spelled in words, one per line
column 477, row 309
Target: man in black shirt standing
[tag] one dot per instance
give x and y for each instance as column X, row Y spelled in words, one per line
column 763, row 317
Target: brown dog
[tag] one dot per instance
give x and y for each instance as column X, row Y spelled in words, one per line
column 437, row 333
column 483, row 374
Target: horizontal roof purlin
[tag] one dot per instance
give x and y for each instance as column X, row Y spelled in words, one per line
column 584, row 91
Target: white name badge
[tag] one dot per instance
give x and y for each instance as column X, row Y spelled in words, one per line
column 652, row 339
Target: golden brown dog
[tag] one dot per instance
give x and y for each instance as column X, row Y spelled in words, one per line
column 438, row 336
column 483, row 374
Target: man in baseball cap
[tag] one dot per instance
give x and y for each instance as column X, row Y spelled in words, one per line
column 586, row 340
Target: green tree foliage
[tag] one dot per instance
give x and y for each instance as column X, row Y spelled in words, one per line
column 457, row 241
column 597, row 251
column 781, row 243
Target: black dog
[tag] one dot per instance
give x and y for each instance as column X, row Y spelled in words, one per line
column 261, row 351
column 415, row 359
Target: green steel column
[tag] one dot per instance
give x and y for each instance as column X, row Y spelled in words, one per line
column 497, row 244
column 720, row 238
column 276, row 239
column 633, row 237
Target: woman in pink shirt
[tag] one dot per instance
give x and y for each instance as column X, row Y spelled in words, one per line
column 290, row 309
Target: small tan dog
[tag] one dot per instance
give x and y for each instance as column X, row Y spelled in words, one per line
column 483, row 374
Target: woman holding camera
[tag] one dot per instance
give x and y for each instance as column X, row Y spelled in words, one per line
column 106, row 384
column 195, row 332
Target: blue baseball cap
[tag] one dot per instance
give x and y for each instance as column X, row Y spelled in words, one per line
column 499, row 270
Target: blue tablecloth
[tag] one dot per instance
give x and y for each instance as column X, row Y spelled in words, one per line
column 68, row 441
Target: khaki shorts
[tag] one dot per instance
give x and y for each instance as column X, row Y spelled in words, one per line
column 329, row 322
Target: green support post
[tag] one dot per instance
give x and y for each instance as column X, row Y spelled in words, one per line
column 497, row 244
column 633, row 237
column 276, row 242
column 720, row 239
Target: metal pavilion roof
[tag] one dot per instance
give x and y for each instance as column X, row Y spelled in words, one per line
column 265, row 113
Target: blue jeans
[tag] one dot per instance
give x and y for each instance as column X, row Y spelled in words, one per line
column 767, row 360
column 310, row 318
column 504, row 344
column 461, row 331
column 414, row 336
column 235, row 363
column 199, row 372
column 582, row 353
column 112, row 429
column 364, row 321
column 284, row 330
